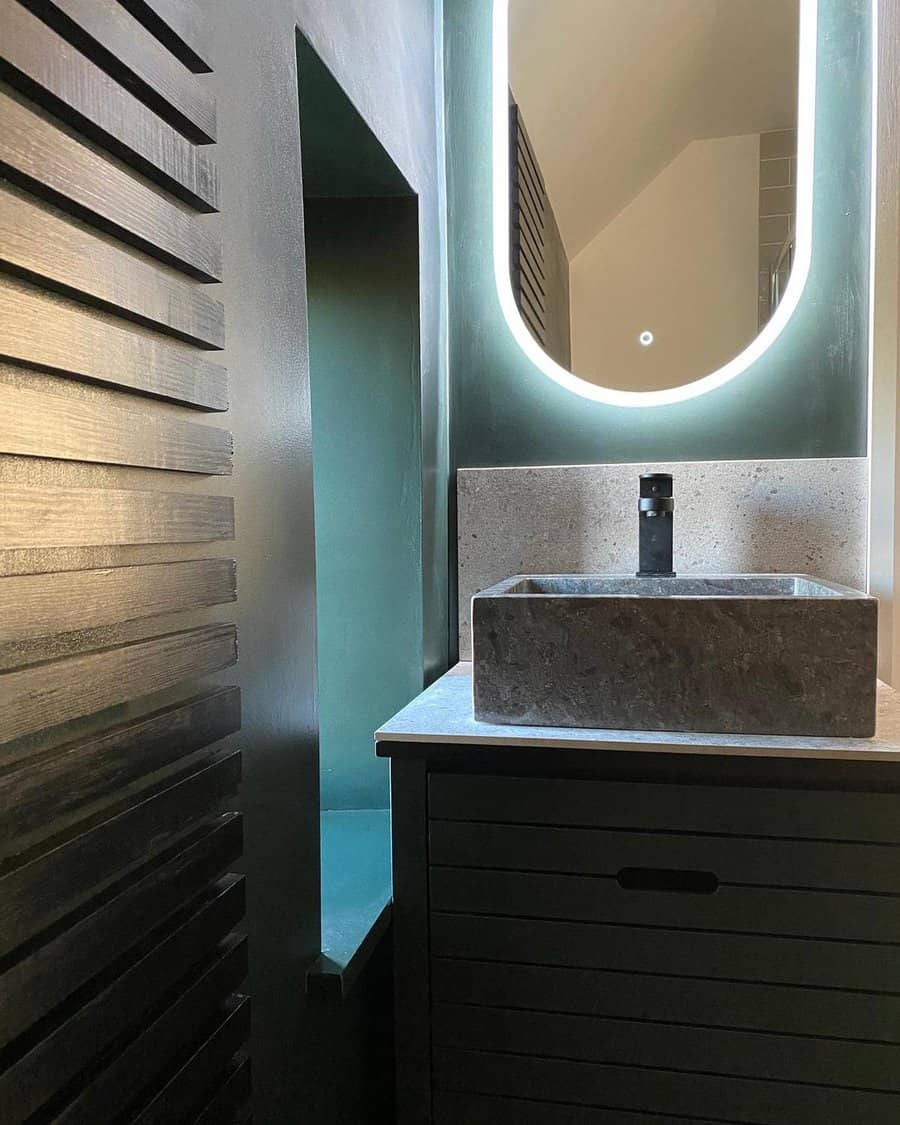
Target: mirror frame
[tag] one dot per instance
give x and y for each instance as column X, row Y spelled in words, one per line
column 806, row 125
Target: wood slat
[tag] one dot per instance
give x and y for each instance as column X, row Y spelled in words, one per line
column 230, row 1102
column 477, row 1109
column 634, row 1043
column 39, row 61
column 47, row 694
column 38, row 605
column 710, row 1003
column 40, row 795
column 733, row 860
column 58, row 425
column 120, row 1084
column 180, row 26
column 111, row 37
column 723, row 810
column 209, row 1060
column 121, row 1000
column 47, row 975
column 577, row 898
column 50, row 162
column 76, row 341
column 40, row 244
column 36, row 895
column 688, row 953
column 34, row 516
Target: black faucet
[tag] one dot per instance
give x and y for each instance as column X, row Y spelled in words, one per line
column 656, row 515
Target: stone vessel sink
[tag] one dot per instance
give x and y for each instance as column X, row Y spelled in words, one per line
column 737, row 654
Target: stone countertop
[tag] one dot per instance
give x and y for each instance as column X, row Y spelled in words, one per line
column 442, row 715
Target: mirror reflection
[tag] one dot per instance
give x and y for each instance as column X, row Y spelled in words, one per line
column 653, row 171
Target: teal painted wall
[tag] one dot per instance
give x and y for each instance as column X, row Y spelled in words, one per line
column 806, row 397
column 362, row 282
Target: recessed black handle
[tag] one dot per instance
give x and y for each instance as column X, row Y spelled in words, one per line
column 668, row 879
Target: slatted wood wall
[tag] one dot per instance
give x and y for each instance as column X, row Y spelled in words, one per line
column 120, row 961
column 528, row 207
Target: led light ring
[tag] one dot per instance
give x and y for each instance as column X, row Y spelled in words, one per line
column 806, row 118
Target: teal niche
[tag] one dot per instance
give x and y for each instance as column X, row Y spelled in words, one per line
column 806, row 396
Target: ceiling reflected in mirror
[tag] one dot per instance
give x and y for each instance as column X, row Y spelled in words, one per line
column 654, row 151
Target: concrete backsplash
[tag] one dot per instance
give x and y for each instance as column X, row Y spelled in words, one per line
column 806, row 516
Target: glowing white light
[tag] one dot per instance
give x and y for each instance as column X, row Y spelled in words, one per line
column 645, row 339
column 806, row 116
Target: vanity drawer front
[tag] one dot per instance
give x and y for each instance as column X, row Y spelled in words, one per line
column 730, row 810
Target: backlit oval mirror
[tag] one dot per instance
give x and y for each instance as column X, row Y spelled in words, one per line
column 653, row 186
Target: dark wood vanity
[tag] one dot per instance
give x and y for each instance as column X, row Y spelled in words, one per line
column 600, row 928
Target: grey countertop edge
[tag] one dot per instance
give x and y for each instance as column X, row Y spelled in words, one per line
column 442, row 715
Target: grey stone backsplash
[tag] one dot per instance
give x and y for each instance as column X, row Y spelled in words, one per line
column 731, row 517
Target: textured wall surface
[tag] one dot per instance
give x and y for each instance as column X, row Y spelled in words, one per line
column 806, row 397
column 805, row 516
column 382, row 53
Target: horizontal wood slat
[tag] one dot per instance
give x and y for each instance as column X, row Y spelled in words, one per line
column 660, row 1091
column 41, row 793
column 40, row 62
column 36, row 895
column 120, row 1083
column 709, row 1003
column 689, row 953
column 37, row 605
column 634, row 1043
column 721, row 810
column 580, row 898
column 180, row 26
column 50, row 162
column 46, row 976
column 121, row 1000
column 231, row 1101
column 824, row 865
column 40, row 244
column 111, row 37
column 76, row 341
column 47, row 694
column 209, row 1061
column 478, row 1109
column 58, row 516
column 58, row 425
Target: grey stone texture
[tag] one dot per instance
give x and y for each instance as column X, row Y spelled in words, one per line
column 748, row 654
column 731, row 517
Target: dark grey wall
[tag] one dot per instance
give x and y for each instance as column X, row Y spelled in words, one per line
column 382, row 53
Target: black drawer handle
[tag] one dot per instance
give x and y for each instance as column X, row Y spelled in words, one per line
column 667, row 879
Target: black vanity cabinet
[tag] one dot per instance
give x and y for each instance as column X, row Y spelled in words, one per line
column 636, row 938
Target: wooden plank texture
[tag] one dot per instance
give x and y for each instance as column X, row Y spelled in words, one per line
column 47, row 694
column 47, row 975
column 41, row 892
column 109, row 35
column 49, row 161
column 660, row 1091
column 38, row 605
column 40, row 794
column 727, row 810
column 754, row 958
column 669, row 999
column 58, row 335
column 39, row 62
column 38, row 243
column 180, row 26
column 635, row 1043
column 121, row 1001
column 59, row 425
column 56, row 516
column 578, row 898
column 117, row 1086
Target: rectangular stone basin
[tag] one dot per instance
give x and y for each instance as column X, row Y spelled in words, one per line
column 737, row 654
